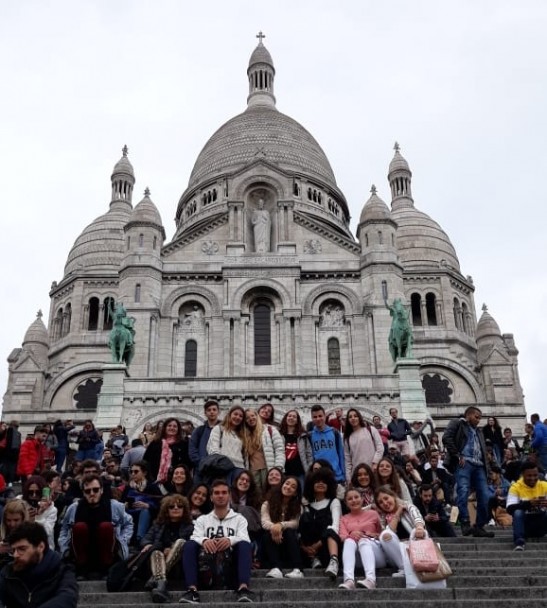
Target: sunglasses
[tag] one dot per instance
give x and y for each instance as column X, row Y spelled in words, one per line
column 92, row 490
column 175, row 507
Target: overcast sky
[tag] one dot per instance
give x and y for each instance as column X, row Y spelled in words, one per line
column 461, row 85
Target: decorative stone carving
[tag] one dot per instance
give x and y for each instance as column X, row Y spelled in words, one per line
column 192, row 319
column 131, row 417
column 313, row 246
column 332, row 316
column 210, row 247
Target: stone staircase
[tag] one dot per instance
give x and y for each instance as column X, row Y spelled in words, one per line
column 486, row 573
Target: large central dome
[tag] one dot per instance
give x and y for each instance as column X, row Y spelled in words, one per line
column 262, row 132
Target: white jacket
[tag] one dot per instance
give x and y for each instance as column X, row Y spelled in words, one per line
column 228, row 444
column 233, row 527
column 273, row 445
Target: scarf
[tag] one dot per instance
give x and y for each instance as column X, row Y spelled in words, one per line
column 165, row 461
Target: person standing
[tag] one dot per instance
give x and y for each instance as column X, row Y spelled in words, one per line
column 33, row 454
column 169, row 449
column 467, row 460
column 326, row 443
column 37, row 576
column 362, row 443
column 399, row 430
column 198, row 440
column 539, row 439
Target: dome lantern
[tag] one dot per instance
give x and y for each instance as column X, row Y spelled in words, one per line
column 261, row 73
column 400, row 180
column 123, row 180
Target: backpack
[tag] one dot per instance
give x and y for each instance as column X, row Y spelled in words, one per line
column 122, row 573
column 216, row 570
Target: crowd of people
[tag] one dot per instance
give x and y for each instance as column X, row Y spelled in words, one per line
column 250, row 492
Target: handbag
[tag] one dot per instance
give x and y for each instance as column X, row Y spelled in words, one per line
column 422, row 555
column 122, row 573
column 443, row 570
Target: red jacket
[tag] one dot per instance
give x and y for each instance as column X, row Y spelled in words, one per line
column 31, row 457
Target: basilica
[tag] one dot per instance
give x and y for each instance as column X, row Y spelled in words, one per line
column 263, row 294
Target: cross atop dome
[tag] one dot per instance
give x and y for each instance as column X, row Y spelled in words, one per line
column 261, row 74
column 39, row 314
column 260, row 35
column 125, row 150
column 147, row 191
column 373, row 189
column 396, row 147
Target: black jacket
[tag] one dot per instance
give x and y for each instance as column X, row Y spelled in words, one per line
column 155, row 535
column 455, row 439
column 49, row 584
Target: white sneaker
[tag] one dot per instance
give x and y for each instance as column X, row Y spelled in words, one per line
column 349, row 584
column 367, row 583
column 316, row 563
column 398, row 574
column 274, row 573
column 296, row 573
column 332, row 568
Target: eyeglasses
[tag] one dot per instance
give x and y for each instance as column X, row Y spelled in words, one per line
column 92, row 490
column 174, row 507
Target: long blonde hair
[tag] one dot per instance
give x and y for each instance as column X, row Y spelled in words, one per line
column 252, row 437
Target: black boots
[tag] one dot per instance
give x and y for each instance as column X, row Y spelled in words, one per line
column 160, row 595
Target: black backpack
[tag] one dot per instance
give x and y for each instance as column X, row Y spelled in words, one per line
column 216, row 570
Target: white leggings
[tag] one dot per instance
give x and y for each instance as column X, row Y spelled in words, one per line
column 374, row 554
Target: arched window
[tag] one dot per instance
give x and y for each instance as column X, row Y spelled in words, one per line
column 416, row 307
column 141, row 240
column 155, row 242
column 431, row 308
column 128, row 242
column 191, row 359
column 457, row 313
column 138, row 292
column 107, row 317
column 333, row 348
column 262, row 335
column 93, row 322
column 67, row 319
column 465, row 318
column 58, row 325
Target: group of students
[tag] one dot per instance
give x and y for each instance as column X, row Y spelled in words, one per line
column 300, row 497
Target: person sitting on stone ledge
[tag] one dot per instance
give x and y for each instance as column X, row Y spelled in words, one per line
column 95, row 531
column 433, row 512
column 527, row 503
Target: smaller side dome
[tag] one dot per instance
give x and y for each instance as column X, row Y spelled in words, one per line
column 487, row 327
column 37, row 332
column 375, row 209
column 124, row 165
column 146, row 213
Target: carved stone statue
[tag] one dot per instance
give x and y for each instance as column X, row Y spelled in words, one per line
column 122, row 337
column 194, row 318
column 261, row 222
column 400, row 335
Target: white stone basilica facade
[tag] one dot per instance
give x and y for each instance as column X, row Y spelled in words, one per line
column 263, row 295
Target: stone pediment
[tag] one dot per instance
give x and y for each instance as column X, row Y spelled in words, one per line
column 26, row 363
column 198, row 231
column 325, row 232
column 497, row 357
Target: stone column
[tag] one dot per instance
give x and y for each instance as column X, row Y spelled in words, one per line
column 110, row 404
column 412, row 395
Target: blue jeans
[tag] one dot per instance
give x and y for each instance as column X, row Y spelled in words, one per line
column 472, row 477
column 528, row 524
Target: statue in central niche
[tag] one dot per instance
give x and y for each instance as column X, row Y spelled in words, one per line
column 262, row 224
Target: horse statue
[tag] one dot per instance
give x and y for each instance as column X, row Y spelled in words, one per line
column 122, row 336
column 400, row 335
